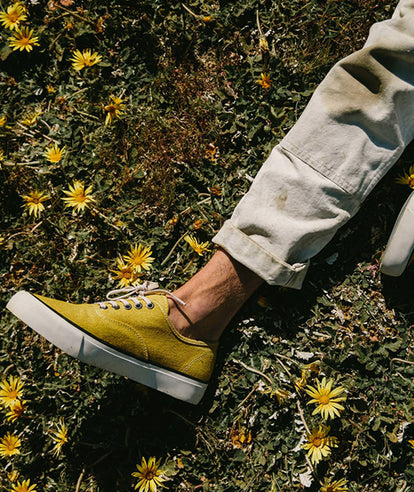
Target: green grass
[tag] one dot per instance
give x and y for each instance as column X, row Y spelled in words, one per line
column 187, row 84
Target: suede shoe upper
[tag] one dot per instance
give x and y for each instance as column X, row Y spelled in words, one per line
column 145, row 333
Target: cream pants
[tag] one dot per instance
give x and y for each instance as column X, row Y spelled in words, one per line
column 353, row 130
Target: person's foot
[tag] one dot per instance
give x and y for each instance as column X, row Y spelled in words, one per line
column 212, row 297
column 131, row 335
column 163, row 340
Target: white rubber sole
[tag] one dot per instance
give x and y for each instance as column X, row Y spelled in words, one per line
column 80, row 345
column 401, row 242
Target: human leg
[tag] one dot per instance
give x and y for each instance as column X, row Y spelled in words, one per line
column 213, row 296
column 354, row 129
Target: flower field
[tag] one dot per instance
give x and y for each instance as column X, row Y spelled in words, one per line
column 129, row 130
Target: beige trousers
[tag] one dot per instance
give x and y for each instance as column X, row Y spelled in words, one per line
column 353, row 130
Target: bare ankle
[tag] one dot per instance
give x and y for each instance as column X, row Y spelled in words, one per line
column 180, row 322
column 196, row 330
column 212, row 297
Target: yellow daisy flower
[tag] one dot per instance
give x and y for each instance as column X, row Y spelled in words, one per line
column 23, row 39
column 212, row 152
column 263, row 45
column 173, row 221
column 301, row 382
column 10, row 391
column 319, row 443
column 16, row 410
column 199, row 248
column 337, row 486
column 411, row 441
column 216, row 190
column 3, row 120
column 240, row 438
column 326, row 398
column 115, row 109
column 78, row 197
column 198, row 224
column 13, row 475
column 23, row 6
column 54, row 153
column 139, row 257
column 84, row 59
column 126, row 274
column 407, row 179
column 264, row 81
column 13, row 16
column 34, row 202
column 313, row 367
column 9, row 445
column 281, row 395
column 307, row 370
column 149, row 475
column 121, row 224
column 60, row 437
column 24, row 487
column 32, row 118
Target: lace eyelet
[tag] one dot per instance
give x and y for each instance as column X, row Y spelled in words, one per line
column 128, row 306
column 138, row 306
column 103, row 307
column 116, row 307
column 150, row 305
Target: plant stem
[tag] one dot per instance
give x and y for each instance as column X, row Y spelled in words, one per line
column 173, row 248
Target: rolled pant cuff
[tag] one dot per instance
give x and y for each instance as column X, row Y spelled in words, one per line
column 256, row 258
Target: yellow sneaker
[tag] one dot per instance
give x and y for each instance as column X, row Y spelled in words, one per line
column 130, row 335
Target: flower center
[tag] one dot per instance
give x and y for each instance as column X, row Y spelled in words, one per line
column 13, row 17
column 80, row 197
column 411, row 181
column 10, row 446
column 324, row 399
column 35, row 201
column 13, row 394
column 149, row 475
column 24, row 41
column 317, row 442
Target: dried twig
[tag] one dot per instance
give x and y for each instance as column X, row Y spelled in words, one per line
column 302, row 417
column 79, row 482
column 256, row 371
column 396, row 359
column 190, row 11
column 259, row 27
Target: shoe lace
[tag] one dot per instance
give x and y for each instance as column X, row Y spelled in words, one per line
column 136, row 293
